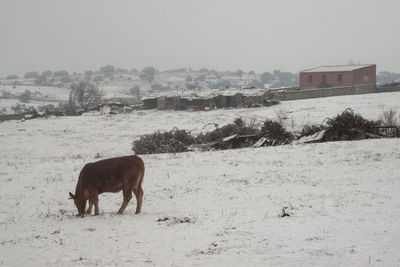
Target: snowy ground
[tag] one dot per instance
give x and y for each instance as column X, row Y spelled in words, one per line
column 203, row 208
column 50, row 92
column 46, row 95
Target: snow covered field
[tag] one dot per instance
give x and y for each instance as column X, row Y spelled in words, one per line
column 203, row 208
column 44, row 95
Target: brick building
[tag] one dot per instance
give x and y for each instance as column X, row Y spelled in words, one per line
column 334, row 76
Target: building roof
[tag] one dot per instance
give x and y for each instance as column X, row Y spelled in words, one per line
column 208, row 93
column 337, row 68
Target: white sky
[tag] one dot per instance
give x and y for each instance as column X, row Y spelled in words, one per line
column 259, row 35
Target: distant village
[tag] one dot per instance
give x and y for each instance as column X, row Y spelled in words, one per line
column 188, row 89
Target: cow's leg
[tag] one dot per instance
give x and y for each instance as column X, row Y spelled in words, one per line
column 96, row 204
column 127, row 198
column 89, row 210
column 139, row 198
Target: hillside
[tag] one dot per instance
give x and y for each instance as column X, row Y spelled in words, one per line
column 203, row 208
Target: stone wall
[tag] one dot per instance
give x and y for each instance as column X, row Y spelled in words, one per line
column 334, row 91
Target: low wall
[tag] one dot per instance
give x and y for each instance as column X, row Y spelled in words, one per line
column 334, row 91
column 388, row 89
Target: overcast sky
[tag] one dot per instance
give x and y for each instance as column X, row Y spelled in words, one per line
column 259, row 35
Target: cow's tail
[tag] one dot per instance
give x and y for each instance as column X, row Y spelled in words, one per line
column 140, row 174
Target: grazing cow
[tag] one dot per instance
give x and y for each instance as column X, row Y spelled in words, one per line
column 109, row 175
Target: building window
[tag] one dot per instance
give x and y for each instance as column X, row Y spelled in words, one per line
column 324, row 79
column 339, row 78
column 310, row 78
column 366, row 78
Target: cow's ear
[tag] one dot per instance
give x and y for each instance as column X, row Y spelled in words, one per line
column 71, row 196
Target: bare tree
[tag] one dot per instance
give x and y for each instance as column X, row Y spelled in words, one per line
column 84, row 94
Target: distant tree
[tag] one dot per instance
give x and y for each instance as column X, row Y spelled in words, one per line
column 107, row 70
column 31, row 75
column 148, row 74
column 191, row 85
column 181, row 70
column 38, row 81
column 88, row 75
column 6, row 95
column 188, row 78
column 239, row 73
column 252, row 72
column 222, row 84
column 46, row 74
column 60, row 73
column 83, row 94
column 267, row 77
column 12, row 77
column 98, row 78
column 133, row 71
column 200, row 78
column 156, row 87
column 135, row 91
column 386, row 77
column 285, row 79
column 121, row 71
column 276, row 73
column 66, row 79
column 25, row 97
column 255, row 84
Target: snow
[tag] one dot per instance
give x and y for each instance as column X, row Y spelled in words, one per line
column 50, row 93
column 208, row 93
column 7, row 104
column 217, row 208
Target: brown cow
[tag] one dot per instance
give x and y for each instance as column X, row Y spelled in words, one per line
column 109, row 175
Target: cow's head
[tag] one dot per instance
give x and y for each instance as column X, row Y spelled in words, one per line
column 80, row 203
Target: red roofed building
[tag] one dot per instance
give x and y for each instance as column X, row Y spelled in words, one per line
column 334, row 76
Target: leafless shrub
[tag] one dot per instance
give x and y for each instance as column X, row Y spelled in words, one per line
column 253, row 123
column 281, row 115
column 390, row 117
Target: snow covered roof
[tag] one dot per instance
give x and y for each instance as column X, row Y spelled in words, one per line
column 207, row 93
column 337, row 68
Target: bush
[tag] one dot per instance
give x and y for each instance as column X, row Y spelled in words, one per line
column 163, row 142
column 276, row 131
column 60, row 73
column 350, row 120
column 84, row 94
column 347, row 124
column 12, row 77
column 107, row 70
column 31, row 75
column 390, row 118
column 25, row 97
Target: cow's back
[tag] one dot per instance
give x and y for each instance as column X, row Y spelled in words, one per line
column 111, row 175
